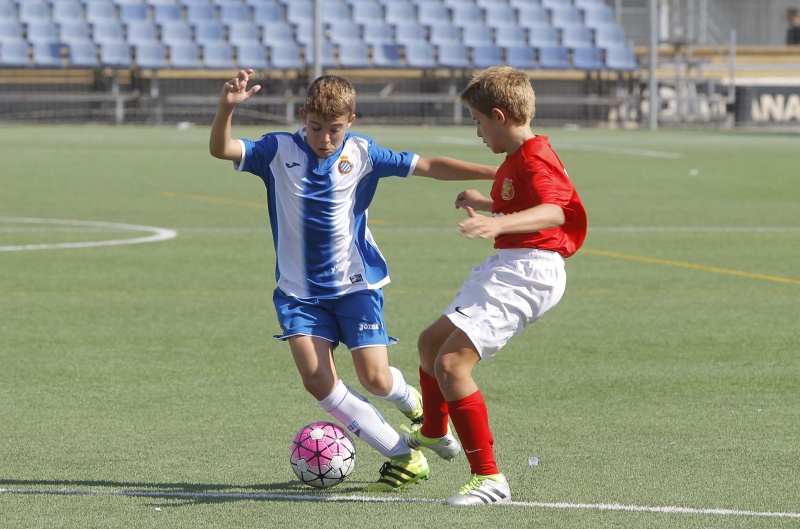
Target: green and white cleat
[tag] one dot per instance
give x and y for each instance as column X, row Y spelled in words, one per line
column 446, row 447
column 415, row 415
column 482, row 490
column 401, row 471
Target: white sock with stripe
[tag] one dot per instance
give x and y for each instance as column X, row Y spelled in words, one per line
column 400, row 395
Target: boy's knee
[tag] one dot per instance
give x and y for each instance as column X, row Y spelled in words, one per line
column 319, row 386
column 379, row 384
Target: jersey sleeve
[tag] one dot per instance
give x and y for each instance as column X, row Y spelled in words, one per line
column 550, row 184
column 257, row 155
column 386, row 162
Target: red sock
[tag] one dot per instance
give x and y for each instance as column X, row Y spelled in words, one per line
column 471, row 421
column 436, row 414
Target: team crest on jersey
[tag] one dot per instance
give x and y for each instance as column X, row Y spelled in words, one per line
column 508, row 189
column 345, row 165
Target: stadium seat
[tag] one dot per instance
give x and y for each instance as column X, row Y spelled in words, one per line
column 462, row 14
column 41, row 31
column 167, row 13
column 8, row 11
column 175, row 31
column 609, row 36
column 366, row 12
column 343, row 31
column 522, row 57
column 66, row 10
column 477, row 35
column 100, row 11
column 408, row 32
column 197, row 13
column 596, row 15
column 542, row 36
column 530, row 13
column 218, row 56
column 207, row 32
column 33, row 11
column 555, row 3
column 328, row 54
column 253, row 56
column 589, row 59
column 132, row 12
column 420, row 55
column 11, row 30
column 386, row 56
column 276, row 32
column 553, row 58
column 285, row 56
column 564, row 16
column 430, row 12
column 151, row 55
column 82, row 54
column 510, row 36
column 453, row 55
column 138, row 32
column 74, row 31
column 399, row 13
column 621, row 59
column 444, row 32
column 244, row 32
column 234, row 12
column 486, row 55
column 107, row 31
column 499, row 15
column 184, row 56
column 335, row 11
column 377, row 33
column 353, row 54
column 582, row 4
column 298, row 10
column 304, row 31
column 266, row 12
column 115, row 54
column 576, row 37
column 14, row 53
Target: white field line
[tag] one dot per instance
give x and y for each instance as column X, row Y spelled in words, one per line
column 625, row 151
column 384, row 499
column 157, row 234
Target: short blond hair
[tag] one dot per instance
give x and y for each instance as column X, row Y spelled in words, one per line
column 502, row 87
column 331, row 97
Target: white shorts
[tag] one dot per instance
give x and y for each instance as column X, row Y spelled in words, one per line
column 504, row 294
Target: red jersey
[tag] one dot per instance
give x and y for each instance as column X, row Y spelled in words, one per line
column 531, row 176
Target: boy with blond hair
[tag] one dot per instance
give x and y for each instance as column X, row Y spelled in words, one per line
column 329, row 270
column 537, row 221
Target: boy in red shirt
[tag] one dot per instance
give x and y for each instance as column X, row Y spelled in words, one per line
column 537, row 220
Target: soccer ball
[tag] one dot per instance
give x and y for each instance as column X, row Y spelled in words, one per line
column 322, row 454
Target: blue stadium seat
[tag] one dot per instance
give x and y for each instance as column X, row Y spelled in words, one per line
column 353, row 54
column 267, row 12
column 510, row 36
column 597, row 15
column 285, row 56
column 132, row 12
column 243, row 33
column 141, row 31
column 100, row 11
column 231, row 12
column 107, row 31
column 82, row 54
column 462, row 14
column 477, row 35
column 253, row 56
column 48, row 55
column 66, row 10
column 184, row 56
column 555, row 3
column 542, row 36
column 420, row 55
column 209, row 31
column 11, row 29
column 589, row 59
column 115, row 54
column 8, row 11
column 74, row 31
column 218, row 56
column 335, row 11
column 304, row 31
column 344, row 31
column 581, row 4
column 151, row 55
column 167, row 13
column 522, row 57
column 408, row 32
column 432, row 12
column 554, row 58
column 377, row 33
column 453, row 55
column 276, row 33
column 386, row 56
column 41, row 31
column 175, row 31
column 399, row 12
column 444, row 32
column 366, row 12
column 33, row 11
column 14, row 53
column 576, row 37
column 530, row 13
column 328, row 54
column 499, row 15
column 609, row 36
column 200, row 13
column 621, row 59
column 565, row 15
column 298, row 10
column 486, row 55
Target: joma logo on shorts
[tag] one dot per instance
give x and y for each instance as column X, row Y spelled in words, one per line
column 369, row 327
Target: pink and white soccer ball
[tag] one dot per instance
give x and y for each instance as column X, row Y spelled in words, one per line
column 322, row 454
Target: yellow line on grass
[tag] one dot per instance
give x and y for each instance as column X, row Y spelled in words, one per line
column 692, row 266
column 215, row 200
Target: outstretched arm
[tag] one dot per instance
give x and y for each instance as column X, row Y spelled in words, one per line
column 541, row 217
column 442, row 168
column 234, row 92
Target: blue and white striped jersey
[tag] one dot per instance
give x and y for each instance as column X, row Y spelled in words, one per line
column 318, row 210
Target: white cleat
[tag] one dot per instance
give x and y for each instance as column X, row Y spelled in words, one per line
column 446, row 447
column 482, row 490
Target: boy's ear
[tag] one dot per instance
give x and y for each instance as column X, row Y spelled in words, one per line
column 303, row 115
column 499, row 114
column 352, row 119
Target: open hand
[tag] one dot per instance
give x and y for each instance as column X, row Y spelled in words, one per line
column 235, row 91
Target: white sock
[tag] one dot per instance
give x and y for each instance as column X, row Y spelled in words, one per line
column 363, row 420
column 400, row 395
